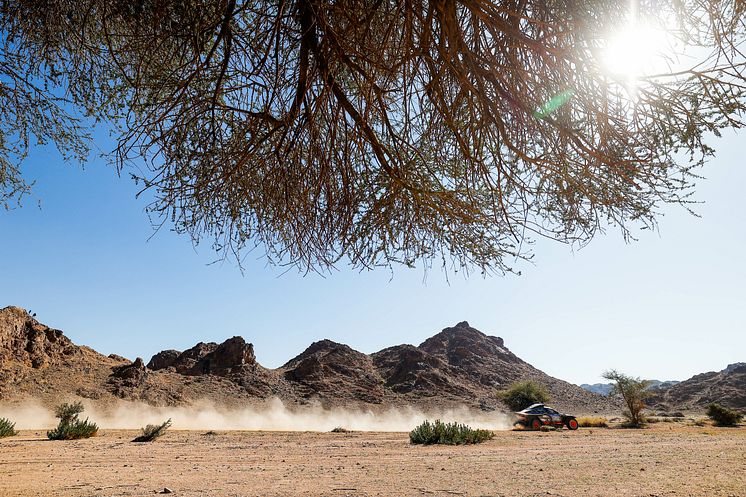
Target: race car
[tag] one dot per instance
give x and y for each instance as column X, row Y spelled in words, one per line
column 538, row 415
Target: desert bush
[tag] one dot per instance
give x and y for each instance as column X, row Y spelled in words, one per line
column 339, row 429
column 633, row 391
column 447, row 433
column 522, row 394
column 590, row 422
column 722, row 416
column 7, row 429
column 151, row 432
column 70, row 426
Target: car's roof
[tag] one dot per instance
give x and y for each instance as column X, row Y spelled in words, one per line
column 534, row 407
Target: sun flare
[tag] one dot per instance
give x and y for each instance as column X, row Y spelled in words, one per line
column 636, row 51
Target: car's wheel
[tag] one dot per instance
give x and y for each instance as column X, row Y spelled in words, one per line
column 535, row 424
column 572, row 424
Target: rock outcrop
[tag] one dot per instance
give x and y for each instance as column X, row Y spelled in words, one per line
column 163, row 359
column 25, row 341
column 131, row 374
column 726, row 387
column 207, row 358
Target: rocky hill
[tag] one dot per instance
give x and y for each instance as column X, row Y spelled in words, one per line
column 726, row 387
column 458, row 366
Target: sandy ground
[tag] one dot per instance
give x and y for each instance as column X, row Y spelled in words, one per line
column 665, row 460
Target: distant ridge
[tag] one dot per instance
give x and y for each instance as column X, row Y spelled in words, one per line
column 458, row 366
column 606, row 388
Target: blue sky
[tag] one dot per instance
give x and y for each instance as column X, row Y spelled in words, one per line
column 668, row 306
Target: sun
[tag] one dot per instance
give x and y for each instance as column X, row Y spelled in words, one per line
column 636, row 51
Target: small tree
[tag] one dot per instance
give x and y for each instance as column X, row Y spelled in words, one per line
column 634, row 391
column 70, row 426
column 151, row 432
column 722, row 416
column 522, row 394
column 7, row 429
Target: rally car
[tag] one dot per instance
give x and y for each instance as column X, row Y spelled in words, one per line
column 538, row 415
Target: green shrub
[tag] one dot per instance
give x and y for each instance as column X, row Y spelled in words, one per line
column 151, row 432
column 722, row 416
column 447, row 433
column 339, row 429
column 7, row 429
column 70, row 426
column 522, row 394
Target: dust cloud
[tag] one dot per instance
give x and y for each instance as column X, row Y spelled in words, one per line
column 272, row 415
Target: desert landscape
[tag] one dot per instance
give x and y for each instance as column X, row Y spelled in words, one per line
column 335, row 422
column 665, row 460
column 325, row 248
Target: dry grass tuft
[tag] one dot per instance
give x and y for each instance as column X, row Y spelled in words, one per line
column 593, row 422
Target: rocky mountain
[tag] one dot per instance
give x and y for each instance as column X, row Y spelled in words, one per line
column 328, row 369
column 458, row 366
column 726, row 387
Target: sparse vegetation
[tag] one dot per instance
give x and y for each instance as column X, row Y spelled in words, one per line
column 522, row 394
column 447, row 433
column 634, row 391
column 152, row 432
column 664, row 419
column 591, row 422
column 339, row 429
column 7, row 428
column 70, row 426
column 722, row 416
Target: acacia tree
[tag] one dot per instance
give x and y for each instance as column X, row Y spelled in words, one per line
column 633, row 391
column 378, row 131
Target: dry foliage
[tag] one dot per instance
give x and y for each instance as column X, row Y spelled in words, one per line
column 593, row 422
column 380, row 132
